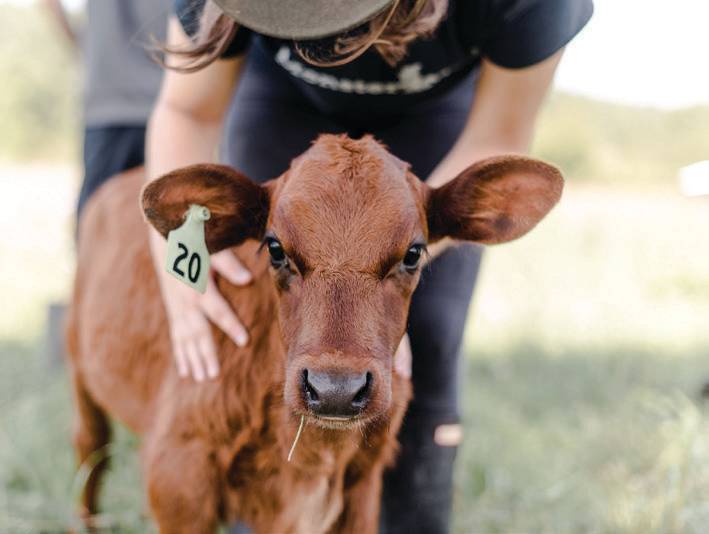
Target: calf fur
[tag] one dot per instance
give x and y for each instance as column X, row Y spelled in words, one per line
column 335, row 247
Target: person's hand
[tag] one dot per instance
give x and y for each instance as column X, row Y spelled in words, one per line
column 402, row 358
column 188, row 313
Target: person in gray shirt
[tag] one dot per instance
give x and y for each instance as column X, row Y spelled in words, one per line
column 121, row 82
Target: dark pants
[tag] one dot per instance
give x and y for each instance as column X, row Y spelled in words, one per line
column 269, row 124
column 109, row 150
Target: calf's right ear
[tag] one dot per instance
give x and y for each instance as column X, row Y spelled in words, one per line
column 238, row 207
column 494, row 201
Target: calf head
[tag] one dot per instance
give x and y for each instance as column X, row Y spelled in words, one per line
column 346, row 230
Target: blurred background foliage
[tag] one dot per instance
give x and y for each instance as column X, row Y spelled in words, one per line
column 39, row 94
column 613, row 144
column 586, row 351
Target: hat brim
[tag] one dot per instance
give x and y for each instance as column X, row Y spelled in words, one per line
column 301, row 20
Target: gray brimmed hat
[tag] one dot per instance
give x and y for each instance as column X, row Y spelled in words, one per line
column 301, row 19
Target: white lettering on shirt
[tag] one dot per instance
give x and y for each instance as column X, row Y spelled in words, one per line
column 410, row 78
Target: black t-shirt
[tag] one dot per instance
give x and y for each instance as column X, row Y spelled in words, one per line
column 510, row 33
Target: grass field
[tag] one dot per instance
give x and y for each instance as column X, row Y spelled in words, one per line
column 587, row 347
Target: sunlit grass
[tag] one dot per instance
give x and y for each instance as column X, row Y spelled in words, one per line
column 36, row 244
column 607, row 267
column 587, row 348
column 602, row 441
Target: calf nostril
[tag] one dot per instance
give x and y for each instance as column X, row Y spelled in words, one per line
column 311, row 393
column 362, row 396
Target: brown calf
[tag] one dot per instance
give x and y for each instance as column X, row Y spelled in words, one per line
column 344, row 229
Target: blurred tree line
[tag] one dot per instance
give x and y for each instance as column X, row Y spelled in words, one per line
column 592, row 141
column 39, row 88
column 601, row 142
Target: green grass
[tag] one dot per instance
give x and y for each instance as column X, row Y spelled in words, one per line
column 575, row 442
column 587, row 349
column 584, row 441
column 585, row 354
column 39, row 483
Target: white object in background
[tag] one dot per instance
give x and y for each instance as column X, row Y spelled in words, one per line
column 694, row 179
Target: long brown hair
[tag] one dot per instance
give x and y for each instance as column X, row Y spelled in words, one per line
column 390, row 32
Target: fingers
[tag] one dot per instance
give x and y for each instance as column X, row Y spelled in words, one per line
column 226, row 264
column 402, row 358
column 194, row 357
column 180, row 360
column 193, row 347
column 206, row 348
column 220, row 313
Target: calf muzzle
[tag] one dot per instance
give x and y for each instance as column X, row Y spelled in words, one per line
column 336, row 394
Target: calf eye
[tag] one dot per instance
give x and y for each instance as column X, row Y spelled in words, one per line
column 275, row 249
column 413, row 257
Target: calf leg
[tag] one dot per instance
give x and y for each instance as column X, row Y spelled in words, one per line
column 92, row 432
column 360, row 514
column 182, row 486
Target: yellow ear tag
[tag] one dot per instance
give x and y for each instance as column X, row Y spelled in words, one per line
column 187, row 256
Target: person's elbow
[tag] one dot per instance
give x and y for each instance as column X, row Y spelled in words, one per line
column 167, row 108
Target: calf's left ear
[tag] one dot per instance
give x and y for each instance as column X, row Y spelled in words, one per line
column 493, row 201
column 238, row 207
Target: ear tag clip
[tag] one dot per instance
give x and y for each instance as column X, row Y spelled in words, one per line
column 187, row 256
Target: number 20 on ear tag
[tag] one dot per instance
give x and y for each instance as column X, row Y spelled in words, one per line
column 187, row 255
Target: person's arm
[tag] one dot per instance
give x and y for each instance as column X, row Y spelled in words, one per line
column 185, row 129
column 186, row 122
column 502, row 118
column 501, row 121
column 56, row 9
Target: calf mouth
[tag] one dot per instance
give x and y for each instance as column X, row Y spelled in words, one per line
column 337, row 423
